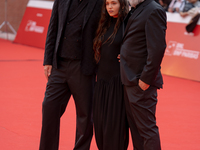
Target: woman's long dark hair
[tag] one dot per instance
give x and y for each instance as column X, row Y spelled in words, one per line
column 104, row 24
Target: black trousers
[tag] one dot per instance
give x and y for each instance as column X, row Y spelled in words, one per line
column 140, row 108
column 63, row 82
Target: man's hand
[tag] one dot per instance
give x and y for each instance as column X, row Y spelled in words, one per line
column 143, row 85
column 118, row 57
column 47, row 71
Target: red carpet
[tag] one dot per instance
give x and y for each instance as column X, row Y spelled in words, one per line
column 22, row 86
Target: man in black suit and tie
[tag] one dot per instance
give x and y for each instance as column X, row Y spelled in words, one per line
column 142, row 51
column 69, row 67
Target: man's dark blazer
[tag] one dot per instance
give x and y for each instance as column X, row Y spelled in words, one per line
column 144, row 45
column 56, row 29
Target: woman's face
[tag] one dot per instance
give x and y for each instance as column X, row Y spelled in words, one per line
column 112, row 7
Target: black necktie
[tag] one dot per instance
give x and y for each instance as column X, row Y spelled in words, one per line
column 128, row 16
column 132, row 10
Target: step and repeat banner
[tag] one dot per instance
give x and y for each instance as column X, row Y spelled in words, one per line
column 34, row 25
column 181, row 58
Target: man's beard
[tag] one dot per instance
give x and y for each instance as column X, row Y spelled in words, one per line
column 134, row 3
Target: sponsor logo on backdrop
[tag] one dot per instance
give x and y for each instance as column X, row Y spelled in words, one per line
column 177, row 49
column 32, row 27
column 39, row 15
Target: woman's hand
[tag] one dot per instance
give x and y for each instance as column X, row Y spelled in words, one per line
column 118, row 57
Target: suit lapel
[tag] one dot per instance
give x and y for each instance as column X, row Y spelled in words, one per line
column 89, row 10
column 79, row 9
column 65, row 4
column 132, row 17
column 135, row 14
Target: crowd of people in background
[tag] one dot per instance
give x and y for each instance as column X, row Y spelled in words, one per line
column 183, row 7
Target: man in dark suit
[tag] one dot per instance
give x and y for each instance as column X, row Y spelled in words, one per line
column 69, row 67
column 142, row 51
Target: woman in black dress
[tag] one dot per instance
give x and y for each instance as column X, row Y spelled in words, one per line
column 110, row 124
